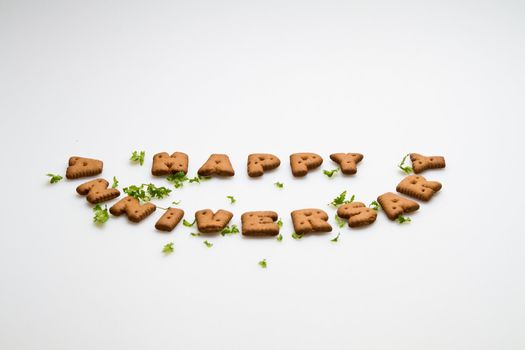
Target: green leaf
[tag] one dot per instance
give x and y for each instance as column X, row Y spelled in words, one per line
column 374, row 205
column 199, row 178
column 330, row 173
column 168, row 248
column 340, row 222
column 296, row 236
column 146, row 192
column 232, row 199
column 280, row 223
column 341, row 199
column 279, row 184
column 263, row 263
column 405, row 168
column 54, row 178
column 230, row 230
column 138, row 157
column 115, row 182
column 195, row 234
column 403, row 219
column 177, row 179
column 208, row 244
column 279, row 237
column 176, row 202
column 101, row 215
column 187, row 223
column 336, row 238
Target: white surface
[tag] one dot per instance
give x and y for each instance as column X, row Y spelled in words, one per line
column 378, row 77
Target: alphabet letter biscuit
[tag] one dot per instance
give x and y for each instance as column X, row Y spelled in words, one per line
column 310, row 220
column 421, row 163
column 301, row 163
column 164, row 164
column 131, row 206
column 217, row 164
column 357, row 214
column 169, row 220
column 347, row 161
column 97, row 191
column 258, row 163
column 394, row 205
column 208, row 222
column 418, row 187
column 83, row 167
column 259, row 223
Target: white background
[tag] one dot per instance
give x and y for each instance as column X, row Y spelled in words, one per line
column 384, row 78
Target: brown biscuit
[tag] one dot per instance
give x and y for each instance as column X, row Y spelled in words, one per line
column 260, row 223
column 164, row 164
column 421, row 163
column 217, row 164
column 357, row 214
column 347, row 161
column 83, row 167
column 301, row 163
column 97, row 191
column 131, row 206
column 310, row 220
column 258, row 163
column 208, row 222
column 394, row 205
column 170, row 219
column 418, row 187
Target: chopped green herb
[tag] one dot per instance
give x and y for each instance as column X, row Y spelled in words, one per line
column 146, row 192
column 280, row 223
column 330, row 173
column 336, row 238
column 402, row 219
column 115, row 182
column 199, row 178
column 101, row 215
column 374, row 205
column 208, row 244
column 195, row 234
column 406, row 169
column 230, row 230
column 232, row 199
column 340, row 222
column 296, row 236
column 138, row 157
column 54, row 178
column 176, row 202
column 279, row 184
column 187, row 223
column 279, row 237
column 341, row 199
column 263, row 263
column 177, row 179
column 168, row 248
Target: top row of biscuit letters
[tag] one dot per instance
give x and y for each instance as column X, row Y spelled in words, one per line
column 258, row 163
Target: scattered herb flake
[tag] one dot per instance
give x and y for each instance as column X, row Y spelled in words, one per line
column 195, row 234
column 341, row 199
column 296, row 236
column 279, row 237
column 374, row 205
column 115, row 182
column 53, row 178
column 279, row 184
column 405, row 168
column 230, row 230
column 176, row 202
column 280, row 223
column 340, row 222
column 263, row 263
column 187, row 223
column 336, row 238
column 232, row 199
column 403, row 219
column 208, row 244
column 168, row 248
column 331, row 173
column 101, row 215
column 146, row 192
column 138, row 157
